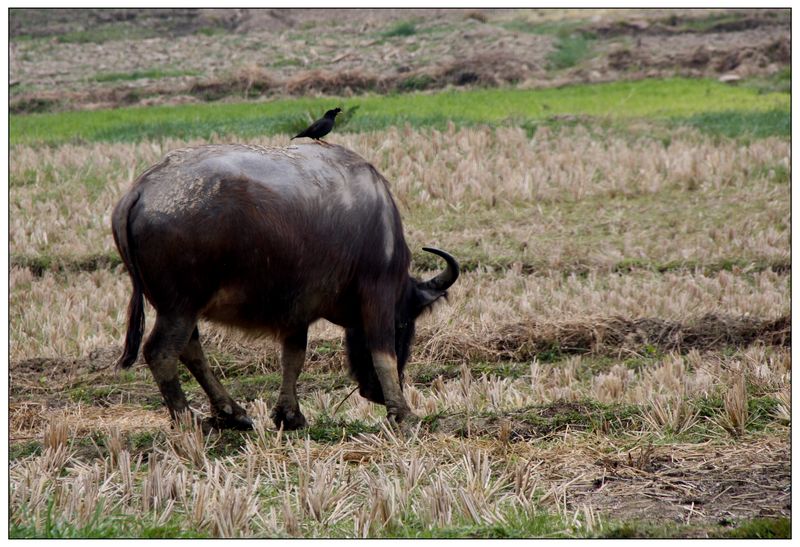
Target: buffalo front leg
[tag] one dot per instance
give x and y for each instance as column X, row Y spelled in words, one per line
column 397, row 408
column 287, row 410
column 227, row 414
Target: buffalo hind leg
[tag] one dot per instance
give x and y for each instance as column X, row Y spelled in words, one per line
column 227, row 414
column 161, row 350
column 287, row 410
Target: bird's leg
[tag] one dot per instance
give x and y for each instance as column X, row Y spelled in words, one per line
column 324, row 142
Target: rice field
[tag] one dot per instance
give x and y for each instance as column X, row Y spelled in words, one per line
column 613, row 362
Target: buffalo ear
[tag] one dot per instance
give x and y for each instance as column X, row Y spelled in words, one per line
column 426, row 297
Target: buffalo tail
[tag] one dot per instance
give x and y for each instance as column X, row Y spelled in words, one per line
column 122, row 231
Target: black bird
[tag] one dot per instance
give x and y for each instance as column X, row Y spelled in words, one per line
column 321, row 127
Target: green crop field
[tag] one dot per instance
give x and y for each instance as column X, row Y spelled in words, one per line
column 737, row 110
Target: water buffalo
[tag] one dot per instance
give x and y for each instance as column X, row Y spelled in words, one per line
column 270, row 240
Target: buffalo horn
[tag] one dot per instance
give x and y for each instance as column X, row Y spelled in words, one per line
column 442, row 281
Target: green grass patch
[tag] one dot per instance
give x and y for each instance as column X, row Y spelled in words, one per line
column 211, row 31
column 767, row 528
column 518, row 524
column 227, row 442
column 326, row 429
column 282, row 62
column 248, row 388
column 760, row 411
column 707, row 23
column 649, row 530
column 106, row 33
column 570, row 50
column 23, row 450
column 739, row 123
column 99, row 527
column 403, row 28
column 144, row 441
column 153, row 74
column 91, row 395
column 416, row 82
column 541, row 421
column 678, row 99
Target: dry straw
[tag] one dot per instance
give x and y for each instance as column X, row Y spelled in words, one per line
column 456, row 169
column 67, row 326
column 735, row 417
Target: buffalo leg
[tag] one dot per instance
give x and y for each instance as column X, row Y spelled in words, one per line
column 287, row 409
column 161, row 351
column 378, row 321
column 397, row 409
column 227, row 414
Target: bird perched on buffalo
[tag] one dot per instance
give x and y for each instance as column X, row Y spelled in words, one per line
column 321, row 127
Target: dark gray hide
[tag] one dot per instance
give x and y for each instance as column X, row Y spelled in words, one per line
column 270, row 240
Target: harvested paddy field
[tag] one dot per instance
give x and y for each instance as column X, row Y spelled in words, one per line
column 613, row 361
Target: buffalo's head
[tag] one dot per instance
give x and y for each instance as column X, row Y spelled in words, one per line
column 417, row 297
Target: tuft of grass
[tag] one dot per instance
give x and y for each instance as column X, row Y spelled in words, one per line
column 326, row 429
column 402, row 28
column 105, row 33
column 153, row 74
column 762, row 412
column 416, row 82
column 211, row 31
column 23, row 450
column 101, row 526
column 706, row 23
column 761, row 528
column 570, row 50
column 285, row 61
column 144, row 441
column 517, row 524
column 227, row 443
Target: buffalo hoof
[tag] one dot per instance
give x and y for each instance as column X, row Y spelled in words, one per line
column 406, row 419
column 238, row 419
column 288, row 418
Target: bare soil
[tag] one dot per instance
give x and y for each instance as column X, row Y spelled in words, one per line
column 90, row 58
